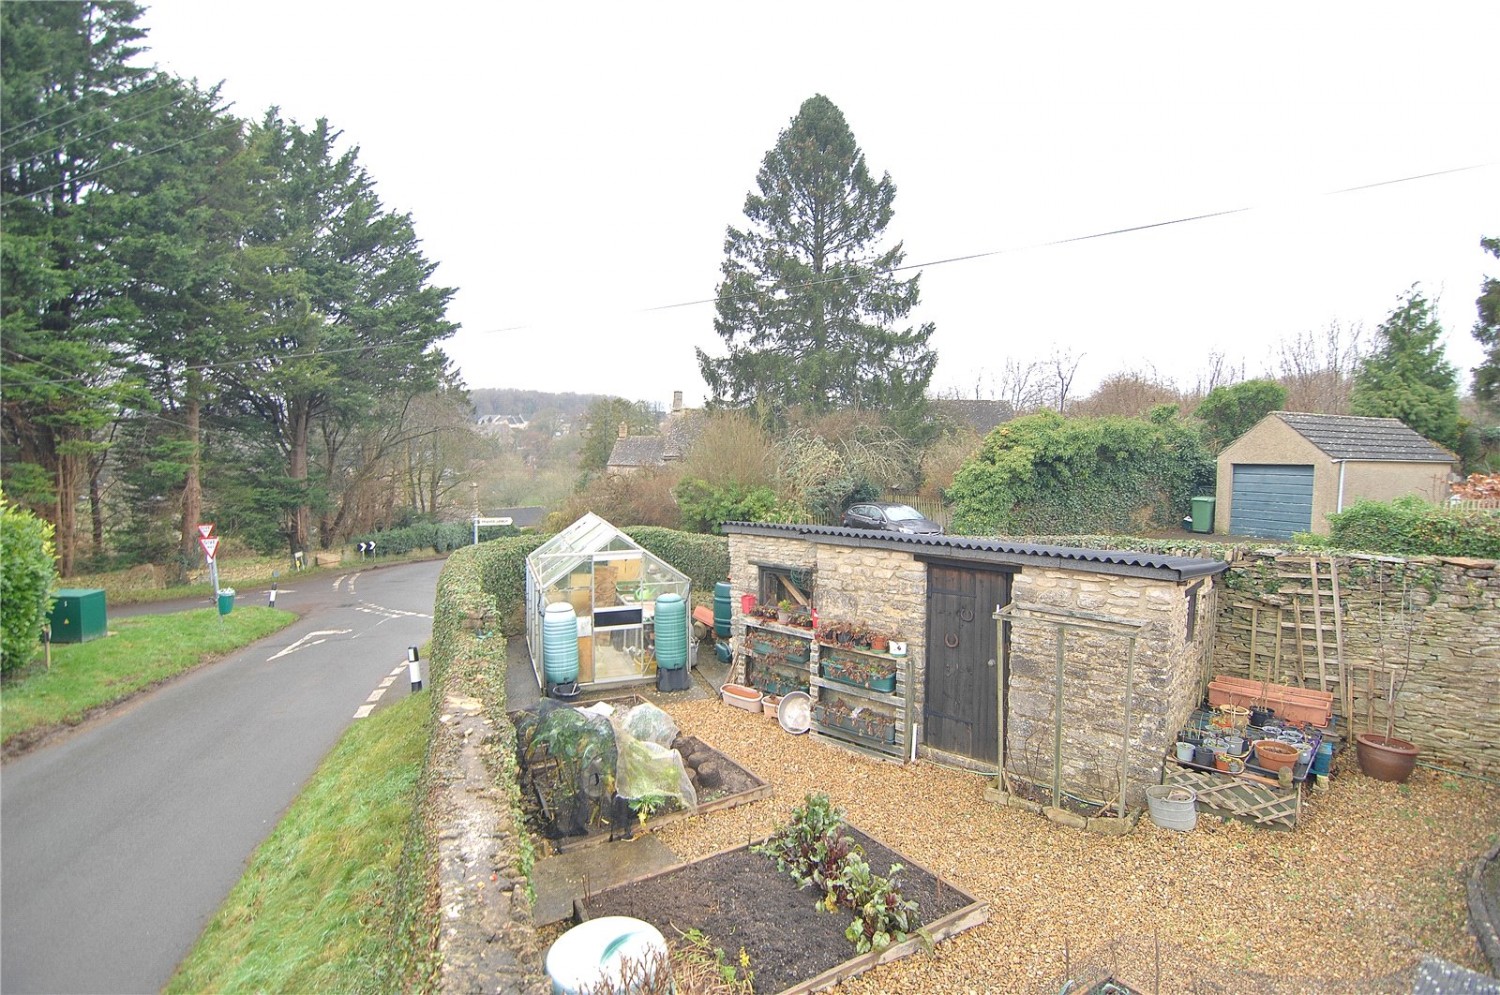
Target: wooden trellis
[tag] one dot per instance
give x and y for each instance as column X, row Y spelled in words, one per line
column 1063, row 621
column 1296, row 635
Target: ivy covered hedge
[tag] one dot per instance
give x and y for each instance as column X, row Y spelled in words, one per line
column 1047, row 474
column 502, row 566
column 1412, row 527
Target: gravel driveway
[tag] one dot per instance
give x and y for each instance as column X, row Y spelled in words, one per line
column 1371, row 879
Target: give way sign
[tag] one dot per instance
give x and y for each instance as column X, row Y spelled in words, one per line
column 209, row 544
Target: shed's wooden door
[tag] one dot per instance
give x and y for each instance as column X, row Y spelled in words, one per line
column 961, row 713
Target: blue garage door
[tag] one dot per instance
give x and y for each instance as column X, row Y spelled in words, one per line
column 1271, row 502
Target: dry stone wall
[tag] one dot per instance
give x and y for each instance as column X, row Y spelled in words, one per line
column 1433, row 622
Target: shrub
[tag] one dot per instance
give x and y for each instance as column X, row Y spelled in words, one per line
column 1411, row 527
column 503, row 570
column 705, row 506
column 27, row 570
column 1044, row 474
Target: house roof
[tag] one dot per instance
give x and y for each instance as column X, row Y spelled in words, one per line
column 1117, row 562
column 1350, row 437
column 982, row 415
column 678, row 433
column 637, row 450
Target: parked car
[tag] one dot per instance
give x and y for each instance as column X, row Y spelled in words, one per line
column 890, row 517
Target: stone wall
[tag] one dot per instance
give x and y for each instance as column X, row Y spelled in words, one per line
column 1165, row 679
column 1434, row 623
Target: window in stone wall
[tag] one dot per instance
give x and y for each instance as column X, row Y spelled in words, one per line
column 792, row 584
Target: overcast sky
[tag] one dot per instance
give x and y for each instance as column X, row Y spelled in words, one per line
column 572, row 166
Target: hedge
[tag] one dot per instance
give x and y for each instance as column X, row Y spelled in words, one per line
column 704, row 558
column 26, row 574
column 1411, row 527
column 442, row 537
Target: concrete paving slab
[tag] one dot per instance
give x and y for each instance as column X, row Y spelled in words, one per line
column 561, row 879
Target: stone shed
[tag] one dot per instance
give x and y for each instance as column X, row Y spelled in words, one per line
column 1292, row 470
column 1083, row 662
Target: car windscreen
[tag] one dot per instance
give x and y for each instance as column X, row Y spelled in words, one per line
column 902, row 513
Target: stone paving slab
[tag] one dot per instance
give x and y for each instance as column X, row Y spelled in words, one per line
column 562, row 878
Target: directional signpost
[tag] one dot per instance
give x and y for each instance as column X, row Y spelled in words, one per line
column 478, row 521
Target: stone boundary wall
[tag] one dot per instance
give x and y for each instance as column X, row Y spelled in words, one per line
column 1435, row 620
column 486, row 939
column 1447, row 624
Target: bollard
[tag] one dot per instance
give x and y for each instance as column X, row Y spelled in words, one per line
column 414, row 668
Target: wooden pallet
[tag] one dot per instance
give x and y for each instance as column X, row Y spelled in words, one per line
column 1235, row 797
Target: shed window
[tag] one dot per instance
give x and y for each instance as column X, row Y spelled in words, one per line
column 792, row 584
column 1192, row 610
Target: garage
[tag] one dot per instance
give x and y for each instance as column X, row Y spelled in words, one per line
column 1271, row 501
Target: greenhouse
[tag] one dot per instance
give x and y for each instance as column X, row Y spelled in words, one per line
column 612, row 585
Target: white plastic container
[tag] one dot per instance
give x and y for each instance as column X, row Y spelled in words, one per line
column 592, row 953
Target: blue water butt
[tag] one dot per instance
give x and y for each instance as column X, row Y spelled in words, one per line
column 671, row 632
column 560, row 643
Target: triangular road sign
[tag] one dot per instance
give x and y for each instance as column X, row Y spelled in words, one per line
column 209, row 544
column 206, row 530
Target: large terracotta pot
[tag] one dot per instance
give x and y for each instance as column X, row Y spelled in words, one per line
column 1385, row 758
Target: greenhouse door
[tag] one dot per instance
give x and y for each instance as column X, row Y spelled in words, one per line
column 961, row 713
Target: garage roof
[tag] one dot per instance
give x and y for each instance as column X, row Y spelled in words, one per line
column 1354, row 438
column 998, row 551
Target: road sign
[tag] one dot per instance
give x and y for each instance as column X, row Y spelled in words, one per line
column 206, row 530
column 492, row 521
column 209, row 544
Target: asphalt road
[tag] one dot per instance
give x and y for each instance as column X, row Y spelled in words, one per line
column 118, row 842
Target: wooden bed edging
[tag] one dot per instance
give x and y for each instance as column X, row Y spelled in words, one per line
column 973, row 914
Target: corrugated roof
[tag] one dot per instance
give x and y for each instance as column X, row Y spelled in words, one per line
column 1356, row 438
column 1120, row 562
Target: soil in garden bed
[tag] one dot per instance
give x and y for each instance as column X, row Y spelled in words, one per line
column 739, row 899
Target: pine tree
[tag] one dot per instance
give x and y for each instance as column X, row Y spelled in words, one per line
column 1487, row 331
column 1408, row 378
column 808, row 302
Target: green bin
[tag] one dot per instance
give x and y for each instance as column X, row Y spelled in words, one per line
column 226, row 600
column 78, row 615
column 1203, row 514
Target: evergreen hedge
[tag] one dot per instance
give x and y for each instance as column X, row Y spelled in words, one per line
column 1047, row 474
column 704, row 558
column 442, row 537
column 27, row 570
column 1412, row 527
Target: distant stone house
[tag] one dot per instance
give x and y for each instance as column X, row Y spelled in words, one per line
column 1292, row 470
column 679, row 430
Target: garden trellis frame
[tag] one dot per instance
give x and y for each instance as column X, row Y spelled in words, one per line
column 1063, row 621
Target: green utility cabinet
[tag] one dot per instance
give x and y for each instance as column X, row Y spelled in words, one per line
column 78, row 615
column 1203, row 514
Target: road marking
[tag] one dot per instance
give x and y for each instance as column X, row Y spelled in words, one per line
column 339, row 580
column 363, row 711
column 304, row 641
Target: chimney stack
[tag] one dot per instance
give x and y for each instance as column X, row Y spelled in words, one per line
column 676, row 401
column 624, row 429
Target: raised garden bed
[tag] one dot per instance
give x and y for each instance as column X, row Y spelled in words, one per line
column 740, row 900
column 718, row 781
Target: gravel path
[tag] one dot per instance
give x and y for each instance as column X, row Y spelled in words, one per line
column 1372, row 878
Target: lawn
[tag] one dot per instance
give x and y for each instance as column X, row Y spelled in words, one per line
column 321, row 906
column 137, row 654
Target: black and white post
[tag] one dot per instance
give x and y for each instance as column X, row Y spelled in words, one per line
column 273, row 588
column 414, row 668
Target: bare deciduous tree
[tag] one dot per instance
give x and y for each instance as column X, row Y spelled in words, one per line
column 1317, row 370
column 1061, row 367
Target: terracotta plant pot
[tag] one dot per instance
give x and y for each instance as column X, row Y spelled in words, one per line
column 1271, row 754
column 1385, row 758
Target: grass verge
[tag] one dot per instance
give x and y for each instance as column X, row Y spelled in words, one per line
column 138, row 653
column 319, row 908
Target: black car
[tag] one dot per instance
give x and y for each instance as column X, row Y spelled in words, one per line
column 890, row 517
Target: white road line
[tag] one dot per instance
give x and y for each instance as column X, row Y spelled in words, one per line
column 339, row 580
column 304, row 641
column 376, row 695
column 399, row 671
column 365, row 606
column 363, row 711
column 388, row 681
